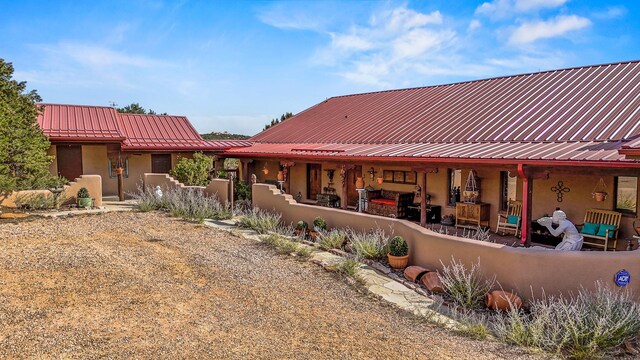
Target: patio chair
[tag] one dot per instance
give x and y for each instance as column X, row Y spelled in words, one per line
column 511, row 220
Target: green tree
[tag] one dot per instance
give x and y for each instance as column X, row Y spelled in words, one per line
column 193, row 172
column 24, row 162
column 136, row 108
column 277, row 121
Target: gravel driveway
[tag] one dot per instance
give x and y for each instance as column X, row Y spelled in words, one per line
column 145, row 285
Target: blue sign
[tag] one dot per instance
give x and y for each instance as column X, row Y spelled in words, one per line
column 622, row 278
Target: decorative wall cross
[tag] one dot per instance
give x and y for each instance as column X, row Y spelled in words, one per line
column 560, row 189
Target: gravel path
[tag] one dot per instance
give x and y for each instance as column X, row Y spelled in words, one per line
column 145, row 285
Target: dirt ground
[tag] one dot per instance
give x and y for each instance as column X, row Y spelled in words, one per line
column 143, row 285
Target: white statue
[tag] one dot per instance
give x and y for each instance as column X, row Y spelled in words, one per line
column 158, row 191
column 572, row 240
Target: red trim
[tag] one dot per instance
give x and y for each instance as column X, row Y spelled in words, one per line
column 617, row 164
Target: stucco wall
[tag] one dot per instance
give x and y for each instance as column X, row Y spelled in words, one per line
column 526, row 271
column 217, row 187
column 93, row 183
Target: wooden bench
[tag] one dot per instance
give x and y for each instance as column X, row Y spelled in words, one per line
column 601, row 238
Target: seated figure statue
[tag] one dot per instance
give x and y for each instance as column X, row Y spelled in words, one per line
column 571, row 240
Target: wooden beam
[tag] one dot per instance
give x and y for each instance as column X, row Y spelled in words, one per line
column 527, row 200
column 423, row 201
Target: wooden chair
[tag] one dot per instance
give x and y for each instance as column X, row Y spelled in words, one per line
column 511, row 220
column 602, row 237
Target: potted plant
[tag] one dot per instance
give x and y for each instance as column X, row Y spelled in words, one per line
column 398, row 255
column 84, row 198
column 301, row 228
column 600, row 195
column 319, row 224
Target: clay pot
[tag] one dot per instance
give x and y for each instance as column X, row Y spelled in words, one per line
column 414, row 272
column 503, row 300
column 398, row 262
column 313, row 234
column 280, row 176
column 380, row 180
column 297, row 232
column 432, row 282
column 359, row 183
column 600, row 196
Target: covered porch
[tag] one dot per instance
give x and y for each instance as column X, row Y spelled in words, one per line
column 437, row 194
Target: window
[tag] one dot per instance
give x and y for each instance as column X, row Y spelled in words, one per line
column 113, row 168
column 626, row 188
column 455, row 182
column 508, row 189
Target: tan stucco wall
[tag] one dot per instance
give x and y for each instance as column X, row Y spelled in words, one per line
column 53, row 167
column 217, row 187
column 526, row 271
column 93, row 183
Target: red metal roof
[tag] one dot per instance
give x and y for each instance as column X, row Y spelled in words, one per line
column 80, row 123
column 592, row 103
column 228, row 144
column 582, row 114
column 160, row 132
column 504, row 152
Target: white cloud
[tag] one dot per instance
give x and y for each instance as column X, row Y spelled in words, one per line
column 529, row 32
column 98, row 56
column 474, row 25
column 499, row 9
column 406, row 19
column 612, row 12
column 351, row 42
column 418, row 41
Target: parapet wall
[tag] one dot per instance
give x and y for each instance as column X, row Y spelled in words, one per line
column 528, row 271
column 93, row 183
column 217, row 187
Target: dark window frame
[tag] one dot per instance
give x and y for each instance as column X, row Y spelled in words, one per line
column 615, row 196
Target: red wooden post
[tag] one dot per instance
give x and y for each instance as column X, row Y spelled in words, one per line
column 423, row 201
column 527, row 192
column 120, row 171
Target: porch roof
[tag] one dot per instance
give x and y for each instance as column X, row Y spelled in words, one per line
column 600, row 152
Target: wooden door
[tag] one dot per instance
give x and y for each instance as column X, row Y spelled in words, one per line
column 69, row 160
column 160, row 163
column 352, row 194
column 314, row 181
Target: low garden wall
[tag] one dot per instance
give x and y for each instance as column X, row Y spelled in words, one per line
column 217, row 187
column 93, row 183
column 527, row 271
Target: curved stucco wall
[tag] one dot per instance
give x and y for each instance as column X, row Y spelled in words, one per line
column 525, row 270
column 217, row 187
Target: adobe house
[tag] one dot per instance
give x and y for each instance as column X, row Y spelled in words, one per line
column 546, row 139
column 96, row 140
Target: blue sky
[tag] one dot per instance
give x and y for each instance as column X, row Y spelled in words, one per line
column 234, row 65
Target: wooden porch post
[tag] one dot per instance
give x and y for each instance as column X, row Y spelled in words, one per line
column 244, row 171
column 527, row 197
column 423, row 200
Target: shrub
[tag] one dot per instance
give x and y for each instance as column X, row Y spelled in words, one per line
column 347, row 266
column 333, row 239
column 398, row 246
column 319, row 223
column 83, row 193
column 189, row 204
column 241, row 191
column 302, row 225
column 471, row 324
column 193, row 172
column 466, row 287
column 260, row 220
column 36, row 201
column 371, row 245
column 588, row 325
column 285, row 246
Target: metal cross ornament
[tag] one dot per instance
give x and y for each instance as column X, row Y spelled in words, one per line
column 560, row 189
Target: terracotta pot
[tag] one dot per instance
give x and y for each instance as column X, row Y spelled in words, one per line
column 503, row 300
column 414, row 272
column 280, row 176
column 359, row 183
column 600, row 196
column 297, row 232
column 313, row 234
column 380, row 180
column 432, row 282
column 398, row 262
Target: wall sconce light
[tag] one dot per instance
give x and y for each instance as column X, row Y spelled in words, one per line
column 372, row 173
column 265, row 170
column 418, row 191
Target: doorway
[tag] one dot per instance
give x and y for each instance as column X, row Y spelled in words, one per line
column 352, row 194
column 69, row 161
column 314, row 181
column 160, row 163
